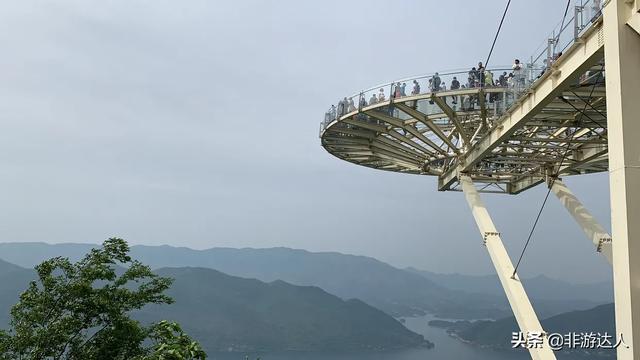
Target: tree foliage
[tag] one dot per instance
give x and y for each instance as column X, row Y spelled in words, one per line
column 171, row 343
column 81, row 311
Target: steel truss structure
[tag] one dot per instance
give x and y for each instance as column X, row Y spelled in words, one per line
column 581, row 116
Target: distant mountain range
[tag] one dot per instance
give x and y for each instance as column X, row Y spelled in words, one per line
column 497, row 334
column 540, row 287
column 290, row 305
column 227, row 313
column 396, row 291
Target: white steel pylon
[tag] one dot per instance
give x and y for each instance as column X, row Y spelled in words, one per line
column 622, row 61
column 594, row 231
column 520, row 304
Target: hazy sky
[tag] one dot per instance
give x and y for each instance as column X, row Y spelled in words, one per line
column 195, row 123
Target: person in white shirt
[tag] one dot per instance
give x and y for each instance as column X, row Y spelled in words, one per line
column 518, row 73
column 352, row 106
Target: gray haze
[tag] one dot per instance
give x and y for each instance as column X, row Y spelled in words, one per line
column 194, row 123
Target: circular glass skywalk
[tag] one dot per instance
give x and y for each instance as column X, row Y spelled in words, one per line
column 425, row 125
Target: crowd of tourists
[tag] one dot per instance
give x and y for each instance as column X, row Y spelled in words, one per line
column 478, row 76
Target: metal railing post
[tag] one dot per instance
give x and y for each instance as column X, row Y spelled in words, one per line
column 576, row 26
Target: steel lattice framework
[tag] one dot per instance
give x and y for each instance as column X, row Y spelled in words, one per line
column 427, row 134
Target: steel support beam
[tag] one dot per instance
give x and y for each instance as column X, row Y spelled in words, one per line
column 453, row 117
column 520, row 304
column 577, row 59
column 408, row 128
column 594, row 231
column 634, row 22
column 424, row 119
column 622, row 59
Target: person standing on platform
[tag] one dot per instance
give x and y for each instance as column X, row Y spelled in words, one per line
column 481, row 74
column 352, row 106
column 518, row 74
column 342, row 107
column 363, row 101
column 502, row 80
column 397, row 93
column 455, row 85
column 436, row 82
column 473, row 76
column 381, row 96
column 416, row 88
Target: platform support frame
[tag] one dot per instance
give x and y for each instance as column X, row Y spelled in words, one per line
column 518, row 300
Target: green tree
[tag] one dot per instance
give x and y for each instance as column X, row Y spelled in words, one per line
column 171, row 343
column 81, row 311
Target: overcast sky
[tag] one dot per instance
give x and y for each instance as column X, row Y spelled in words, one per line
column 195, row 123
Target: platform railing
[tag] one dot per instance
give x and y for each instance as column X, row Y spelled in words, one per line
column 505, row 77
column 580, row 18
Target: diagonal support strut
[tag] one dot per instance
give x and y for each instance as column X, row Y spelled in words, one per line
column 518, row 299
column 594, row 231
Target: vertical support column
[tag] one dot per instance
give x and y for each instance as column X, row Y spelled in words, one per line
column 594, row 231
column 622, row 59
column 520, row 304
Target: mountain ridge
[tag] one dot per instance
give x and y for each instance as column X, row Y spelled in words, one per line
column 399, row 292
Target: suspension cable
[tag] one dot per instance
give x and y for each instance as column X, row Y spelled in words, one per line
column 557, row 38
column 486, row 63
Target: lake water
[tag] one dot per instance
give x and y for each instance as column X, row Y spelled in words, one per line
column 446, row 348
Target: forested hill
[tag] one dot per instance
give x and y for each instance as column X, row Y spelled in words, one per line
column 497, row 334
column 225, row 313
column 228, row 312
